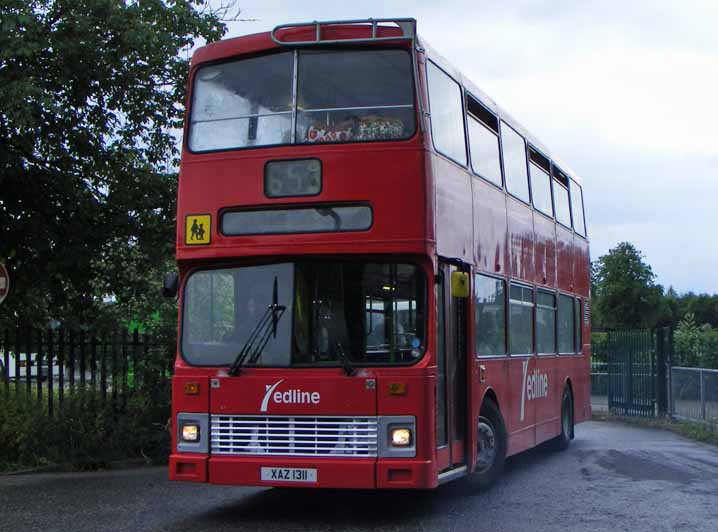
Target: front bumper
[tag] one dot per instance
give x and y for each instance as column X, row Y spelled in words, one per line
column 357, row 473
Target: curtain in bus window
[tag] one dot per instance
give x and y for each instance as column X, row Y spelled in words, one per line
column 357, row 95
column 447, row 116
column 517, row 180
column 577, row 208
column 490, row 316
column 541, row 186
column 484, row 145
column 242, row 103
column 545, row 322
column 565, row 324
column 521, row 323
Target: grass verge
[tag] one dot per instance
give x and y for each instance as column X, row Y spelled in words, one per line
column 695, row 431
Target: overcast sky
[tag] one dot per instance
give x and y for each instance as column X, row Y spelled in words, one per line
column 625, row 92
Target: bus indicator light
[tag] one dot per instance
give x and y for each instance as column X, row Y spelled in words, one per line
column 191, row 388
column 397, row 388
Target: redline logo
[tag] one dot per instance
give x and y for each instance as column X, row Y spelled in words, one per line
column 294, row 396
column 534, row 386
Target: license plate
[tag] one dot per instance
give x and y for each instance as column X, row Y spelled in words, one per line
column 288, row 474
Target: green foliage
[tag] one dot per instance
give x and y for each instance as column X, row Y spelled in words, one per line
column 625, row 293
column 696, row 346
column 599, row 346
column 85, row 434
column 92, row 91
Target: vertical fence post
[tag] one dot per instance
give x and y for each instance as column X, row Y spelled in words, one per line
column 661, row 377
column 6, row 361
column 103, row 369
column 17, row 362
column 28, row 362
column 703, row 395
column 124, row 369
column 83, row 366
column 93, row 364
column 71, row 369
column 51, row 373
column 38, row 358
column 114, row 373
column 61, row 368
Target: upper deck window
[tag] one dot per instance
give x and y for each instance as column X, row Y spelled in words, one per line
column 577, row 207
column 560, row 196
column 540, row 182
column 483, row 141
column 447, row 114
column 517, row 179
column 354, row 96
column 340, row 96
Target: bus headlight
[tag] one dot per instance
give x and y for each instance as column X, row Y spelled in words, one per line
column 397, row 436
column 190, row 432
column 401, row 437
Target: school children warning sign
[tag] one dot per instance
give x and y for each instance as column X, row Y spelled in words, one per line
column 197, row 229
column 4, row 282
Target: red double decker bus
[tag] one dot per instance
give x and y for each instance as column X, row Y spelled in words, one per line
column 383, row 278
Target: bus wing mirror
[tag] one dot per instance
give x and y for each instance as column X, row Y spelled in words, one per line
column 169, row 289
column 460, row 284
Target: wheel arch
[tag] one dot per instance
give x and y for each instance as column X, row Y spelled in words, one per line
column 490, row 393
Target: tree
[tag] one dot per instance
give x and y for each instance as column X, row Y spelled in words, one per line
column 626, row 295
column 92, row 91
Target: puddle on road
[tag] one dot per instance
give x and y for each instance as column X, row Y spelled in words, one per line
column 640, row 465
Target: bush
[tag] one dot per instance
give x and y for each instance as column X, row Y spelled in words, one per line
column 86, row 433
column 696, row 346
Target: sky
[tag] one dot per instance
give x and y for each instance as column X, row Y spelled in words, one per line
column 625, row 92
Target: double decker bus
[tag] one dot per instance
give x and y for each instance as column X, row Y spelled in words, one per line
column 383, row 278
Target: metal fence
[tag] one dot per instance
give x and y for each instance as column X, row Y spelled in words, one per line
column 50, row 366
column 694, row 394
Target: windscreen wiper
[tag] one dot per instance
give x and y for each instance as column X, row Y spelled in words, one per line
column 265, row 329
column 346, row 363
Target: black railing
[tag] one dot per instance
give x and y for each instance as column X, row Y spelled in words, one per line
column 49, row 366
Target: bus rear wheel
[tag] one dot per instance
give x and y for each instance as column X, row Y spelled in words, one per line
column 491, row 443
column 562, row 441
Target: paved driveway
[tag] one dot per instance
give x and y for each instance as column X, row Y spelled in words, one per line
column 613, row 478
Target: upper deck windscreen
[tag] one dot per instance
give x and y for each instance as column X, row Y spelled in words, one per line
column 340, row 96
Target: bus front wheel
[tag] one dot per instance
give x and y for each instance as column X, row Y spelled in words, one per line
column 491, row 446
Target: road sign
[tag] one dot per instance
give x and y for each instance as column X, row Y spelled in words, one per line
column 4, row 282
column 198, row 228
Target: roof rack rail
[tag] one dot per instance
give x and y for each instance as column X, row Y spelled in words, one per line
column 407, row 26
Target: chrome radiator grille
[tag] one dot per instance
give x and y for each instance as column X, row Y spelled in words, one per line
column 296, row 436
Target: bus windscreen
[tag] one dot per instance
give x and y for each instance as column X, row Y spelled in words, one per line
column 340, row 96
column 368, row 313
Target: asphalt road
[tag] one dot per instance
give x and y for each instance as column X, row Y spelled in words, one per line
column 612, row 478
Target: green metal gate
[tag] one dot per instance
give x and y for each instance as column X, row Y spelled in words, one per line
column 632, row 373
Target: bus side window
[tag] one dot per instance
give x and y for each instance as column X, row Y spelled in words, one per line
column 515, row 166
column 561, row 198
column 579, row 221
column 490, row 316
column 447, row 114
column 484, row 141
column 566, row 327
column 521, row 321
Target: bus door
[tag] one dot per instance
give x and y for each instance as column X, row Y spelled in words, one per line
column 452, row 313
